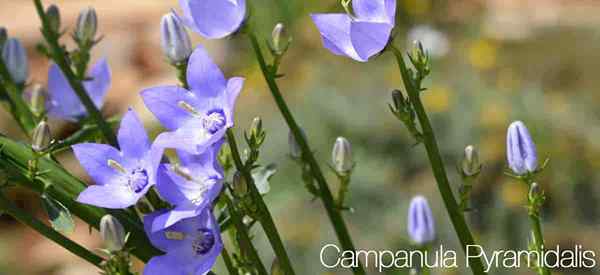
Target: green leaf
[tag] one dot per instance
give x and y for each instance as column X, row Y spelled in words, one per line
column 59, row 215
column 261, row 176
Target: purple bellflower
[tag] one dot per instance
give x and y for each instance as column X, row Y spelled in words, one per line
column 191, row 186
column 197, row 118
column 421, row 227
column 520, row 149
column 361, row 35
column 192, row 245
column 213, row 18
column 121, row 177
column 63, row 103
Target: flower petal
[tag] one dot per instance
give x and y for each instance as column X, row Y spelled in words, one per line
column 63, row 103
column 100, row 82
column 382, row 11
column 132, row 136
column 163, row 102
column 172, row 217
column 204, row 76
column 369, row 38
column 94, row 159
column 335, row 33
column 234, row 87
column 113, row 196
column 215, row 18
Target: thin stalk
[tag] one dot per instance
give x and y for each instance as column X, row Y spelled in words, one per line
column 334, row 214
column 228, row 263
column 245, row 238
column 428, row 137
column 265, row 217
column 344, row 184
column 19, row 109
column 8, row 207
column 538, row 241
column 59, row 55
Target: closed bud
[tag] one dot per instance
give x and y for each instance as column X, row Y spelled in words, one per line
column 276, row 268
column 87, row 25
column 421, row 227
column 295, row 150
column 470, row 162
column 240, row 186
column 15, row 58
column 53, row 15
column 41, row 137
column 520, row 149
column 281, row 38
column 175, row 41
column 37, row 101
column 3, row 36
column 398, row 99
column 112, row 233
column 534, row 190
column 341, row 155
column 256, row 126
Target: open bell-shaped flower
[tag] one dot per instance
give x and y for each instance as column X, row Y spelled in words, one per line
column 361, row 35
column 213, row 18
column 520, row 149
column 421, row 227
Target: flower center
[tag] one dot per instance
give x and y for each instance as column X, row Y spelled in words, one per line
column 204, row 241
column 138, row 179
column 214, row 121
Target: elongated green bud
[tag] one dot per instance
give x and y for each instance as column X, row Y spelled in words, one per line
column 470, row 163
column 87, row 25
column 53, row 14
column 41, row 137
column 112, row 233
column 341, row 155
column 281, row 38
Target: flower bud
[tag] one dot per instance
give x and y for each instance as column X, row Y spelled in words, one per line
column 281, row 38
column 41, row 137
column 37, row 100
column 256, row 126
column 295, row 150
column 470, row 162
column 520, row 149
column 15, row 58
column 53, row 15
column 3, row 36
column 421, row 228
column 240, row 186
column 341, row 155
column 534, row 190
column 175, row 41
column 112, row 233
column 87, row 25
column 276, row 268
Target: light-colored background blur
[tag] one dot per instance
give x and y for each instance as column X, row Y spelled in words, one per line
column 495, row 61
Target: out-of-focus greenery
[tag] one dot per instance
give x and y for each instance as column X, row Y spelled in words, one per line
column 545, row 77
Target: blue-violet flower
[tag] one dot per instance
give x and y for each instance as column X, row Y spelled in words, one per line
column 421, row 227
column 213, row 18
column 520, row 149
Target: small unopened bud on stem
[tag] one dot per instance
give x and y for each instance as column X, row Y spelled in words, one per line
column 341, row 156
column 41, row 137
column 470, row 163
column 37, row 100
column 175, row 41
column 112, row 233
column 86, row 27
column 281, row 39
column 53, row 14
column 15, row 58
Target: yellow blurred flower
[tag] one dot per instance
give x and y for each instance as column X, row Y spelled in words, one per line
column 482, row 54
column 416, row 7
column 514, row 194
column 437, row 99
column 494, row 114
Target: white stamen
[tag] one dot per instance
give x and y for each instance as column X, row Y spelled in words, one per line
column 174, row 235
column 188, row 108
column 117, row 166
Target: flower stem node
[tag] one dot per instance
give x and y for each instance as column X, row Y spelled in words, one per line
column 112, row 233
column 53, row 14
column 86, row 27
column 15, row 58
column 175, row 41
column 41, row 137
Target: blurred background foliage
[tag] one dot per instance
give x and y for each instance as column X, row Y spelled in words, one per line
column 495, row 61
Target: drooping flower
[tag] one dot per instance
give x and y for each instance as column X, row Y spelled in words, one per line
column 197, row 118
column 190, row 186
column 63, row 103
column 520, row 149
column 213, row 18
column 358, row 36
column 421, row 227
column 192, row 245
column 121, row 177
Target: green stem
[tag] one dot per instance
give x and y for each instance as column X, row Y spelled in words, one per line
column 265, row 218
column 25, row 218
column 335, row 216
column 64, row 187
column 59, row 55
column 19, row 109
column 538, row 241
column 344, row 183
column 228, row 263
column 437, row 165
column 243, row 233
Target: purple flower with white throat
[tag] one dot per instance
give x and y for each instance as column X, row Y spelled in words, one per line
column 121, row 177
column 192, row 245
column 190, row 186
column 213, row 18
column 520, row 149
column 64, row 103
column 197, row 118
column 358, row 36
column 421, row 227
